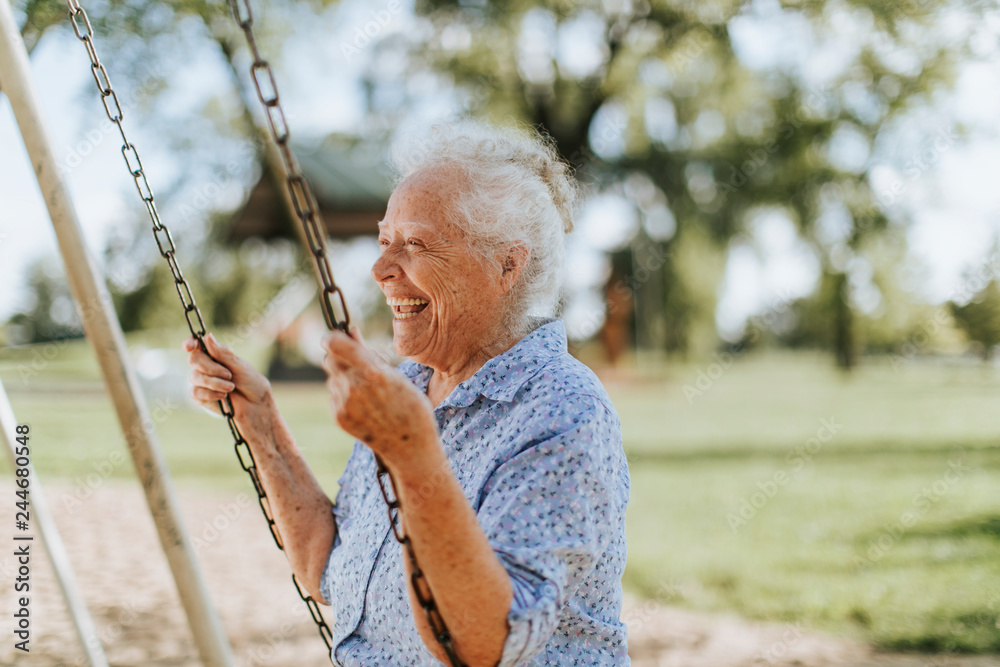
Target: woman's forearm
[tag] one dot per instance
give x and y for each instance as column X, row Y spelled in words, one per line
column 470, row 585
column 302, row 511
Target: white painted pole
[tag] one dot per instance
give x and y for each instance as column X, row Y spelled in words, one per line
column 54, row 547
column 104, row 332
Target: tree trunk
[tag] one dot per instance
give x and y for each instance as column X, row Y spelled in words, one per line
column 662, row 312
column 844, row 343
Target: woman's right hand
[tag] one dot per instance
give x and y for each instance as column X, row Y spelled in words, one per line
column 300, row 507
column 224, row 373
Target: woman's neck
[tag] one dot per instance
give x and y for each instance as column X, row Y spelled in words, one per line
column 442, row 383
column 446, row 377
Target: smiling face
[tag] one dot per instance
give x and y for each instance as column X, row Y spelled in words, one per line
column 446, row 302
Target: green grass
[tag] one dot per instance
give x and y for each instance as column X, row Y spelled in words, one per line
column 828, row 548
column 804, row 555
column 76, row 433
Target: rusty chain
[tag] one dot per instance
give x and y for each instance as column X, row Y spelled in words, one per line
column 420, row 587
column 196, row 323
column 299, row 191
column 308, row 215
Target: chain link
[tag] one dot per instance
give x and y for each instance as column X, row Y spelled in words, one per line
column 307, row 213
column 334, row 310
column 421, row 589
column 192, row 314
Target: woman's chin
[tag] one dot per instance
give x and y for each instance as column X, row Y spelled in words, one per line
column 403, row 341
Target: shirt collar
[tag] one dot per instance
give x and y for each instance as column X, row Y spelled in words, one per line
column 501, row 377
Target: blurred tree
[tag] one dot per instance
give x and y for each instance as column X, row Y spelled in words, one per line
column 39, row 16
column 49, row 313
column 143, row 42
column 979, row 319
column 232, row 286
column 886, row 314
column 661, row 89
column 669, row 99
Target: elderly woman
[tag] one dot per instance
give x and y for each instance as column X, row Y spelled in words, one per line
column 506, row 451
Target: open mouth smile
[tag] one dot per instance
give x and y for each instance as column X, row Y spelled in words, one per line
column 404, row 309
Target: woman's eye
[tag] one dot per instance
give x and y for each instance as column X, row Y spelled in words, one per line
column 413, row 242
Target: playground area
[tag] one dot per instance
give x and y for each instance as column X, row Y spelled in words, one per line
column 128, row 587
column 808, row 579
column 804, row 364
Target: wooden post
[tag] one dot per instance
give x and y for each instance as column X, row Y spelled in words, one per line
column 104, row 332
column 54, row 547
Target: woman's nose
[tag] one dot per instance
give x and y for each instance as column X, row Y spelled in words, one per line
column 385, row 268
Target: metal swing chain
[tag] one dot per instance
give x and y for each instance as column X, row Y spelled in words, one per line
column 302, row 199
column 195, row 321
column 420, row 587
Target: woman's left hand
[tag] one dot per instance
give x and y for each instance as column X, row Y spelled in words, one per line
column 374, row 402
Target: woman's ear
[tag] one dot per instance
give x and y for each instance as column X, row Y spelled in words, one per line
column 512, row 264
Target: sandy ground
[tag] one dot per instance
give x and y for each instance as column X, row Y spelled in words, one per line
column 125, row 580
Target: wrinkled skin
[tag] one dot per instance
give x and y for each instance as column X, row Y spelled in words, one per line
column 424, row 255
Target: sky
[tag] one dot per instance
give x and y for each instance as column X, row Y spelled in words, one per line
column 952, row 198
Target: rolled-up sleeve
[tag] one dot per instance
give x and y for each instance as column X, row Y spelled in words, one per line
column 548, row 513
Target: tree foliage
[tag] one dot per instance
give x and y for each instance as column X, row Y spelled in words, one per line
column 660, row 88
column 979, row 319
column 664, row 101
column 143, row 43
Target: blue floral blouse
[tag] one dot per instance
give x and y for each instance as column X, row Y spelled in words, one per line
column 536, row 445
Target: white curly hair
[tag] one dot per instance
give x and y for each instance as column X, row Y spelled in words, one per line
column 518, row 192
